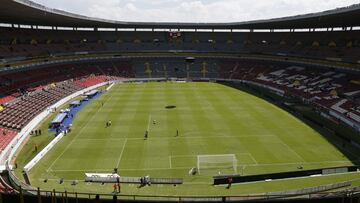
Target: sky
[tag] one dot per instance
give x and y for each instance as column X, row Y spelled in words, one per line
column 193, row 10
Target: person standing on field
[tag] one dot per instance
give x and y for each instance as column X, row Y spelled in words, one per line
column 119, row 187
column 115, row 188
column 230, row 181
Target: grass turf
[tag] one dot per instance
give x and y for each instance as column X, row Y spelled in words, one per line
column 211, row 119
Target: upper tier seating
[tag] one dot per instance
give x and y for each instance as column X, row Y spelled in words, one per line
column 16, row 42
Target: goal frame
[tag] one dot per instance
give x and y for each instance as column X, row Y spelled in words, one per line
column 234, row 160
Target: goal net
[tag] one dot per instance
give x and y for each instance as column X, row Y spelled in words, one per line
column 223, row 163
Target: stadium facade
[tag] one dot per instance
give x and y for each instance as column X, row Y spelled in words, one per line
column 48, row 56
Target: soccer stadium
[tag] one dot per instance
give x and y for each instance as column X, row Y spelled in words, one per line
column 95, row 110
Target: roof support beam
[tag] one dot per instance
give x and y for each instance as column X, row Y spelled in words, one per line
column 27, row 13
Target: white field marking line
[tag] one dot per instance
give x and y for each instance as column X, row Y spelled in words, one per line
column 287, row 146
column 72, row 141
column 178, row 156
column 148, row 125
column 170, row 162
column 122, row 151
column 251, row 156
column 242, row 170
column 180, row 137
column 180, row 168
column 224, row 135
column 199, row 132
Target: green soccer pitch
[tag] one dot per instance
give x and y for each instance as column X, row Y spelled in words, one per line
column 211, row 119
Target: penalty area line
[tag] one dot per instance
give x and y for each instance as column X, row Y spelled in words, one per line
column 76, row 136
column 251, row 157
column 186, row 168
column 121, row 154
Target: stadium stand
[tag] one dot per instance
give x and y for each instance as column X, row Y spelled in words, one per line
column 39, row 67
column 325, row 88
column 93, row 80
column 15, row 84
column 28, row 43
column 7, row 99
column 15, row 115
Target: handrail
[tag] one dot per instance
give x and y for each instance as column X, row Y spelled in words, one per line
column 323, row 190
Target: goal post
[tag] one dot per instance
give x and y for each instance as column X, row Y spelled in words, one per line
column 217, row 162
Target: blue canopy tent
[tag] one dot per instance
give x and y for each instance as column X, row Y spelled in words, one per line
column 92, row 93
column 58, row 120
column 75, row 103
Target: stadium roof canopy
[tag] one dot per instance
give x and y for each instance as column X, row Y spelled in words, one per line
column 29, row 13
